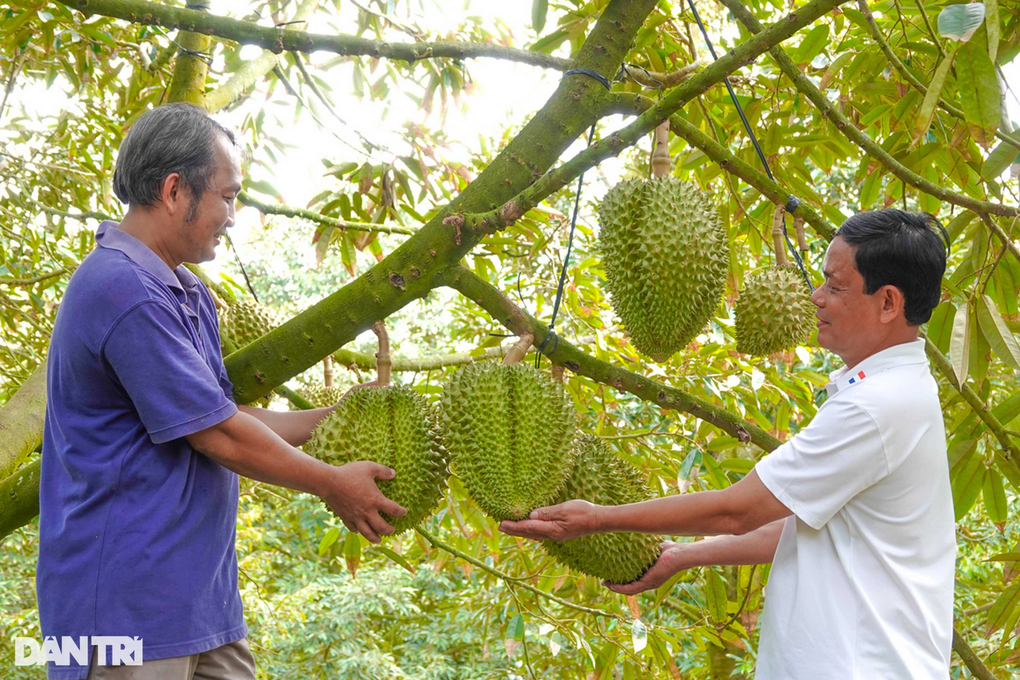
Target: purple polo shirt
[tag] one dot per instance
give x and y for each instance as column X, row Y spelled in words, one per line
column 136, row 528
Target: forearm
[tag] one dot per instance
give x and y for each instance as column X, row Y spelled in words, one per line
column 293, row 427
column 248, row 446
column 756, row 547
column 704, row 513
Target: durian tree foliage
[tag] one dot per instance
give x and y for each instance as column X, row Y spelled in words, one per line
column 857, row 106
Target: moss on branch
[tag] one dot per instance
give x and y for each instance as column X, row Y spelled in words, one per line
column 279, row 40
column 19, row 498
column 850, row 131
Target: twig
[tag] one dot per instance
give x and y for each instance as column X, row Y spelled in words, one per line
column 312, row 216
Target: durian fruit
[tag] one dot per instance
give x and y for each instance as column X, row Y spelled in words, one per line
column 321, row 396
column 509, row 429
column 395, row 426
column 246, row 321
column 774, row 311
column 666, row 256
column 601, row 476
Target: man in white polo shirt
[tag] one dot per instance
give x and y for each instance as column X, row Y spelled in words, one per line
column 855, row 512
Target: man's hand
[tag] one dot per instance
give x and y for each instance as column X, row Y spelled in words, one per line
column 670, row 562
column 352, row 494
column 558, row 522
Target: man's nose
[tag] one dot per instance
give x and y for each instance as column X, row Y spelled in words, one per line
column 817, row 297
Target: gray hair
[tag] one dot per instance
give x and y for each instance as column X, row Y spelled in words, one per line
column 172, row 138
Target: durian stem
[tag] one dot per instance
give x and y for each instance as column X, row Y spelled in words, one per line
column 660, row 150
column 557, row 372
column 327, row 371
column 383, row 363
column 777, row 237
column 798, row 224
column 519, row 350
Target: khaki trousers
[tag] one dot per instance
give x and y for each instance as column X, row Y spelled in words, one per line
column 229, row 662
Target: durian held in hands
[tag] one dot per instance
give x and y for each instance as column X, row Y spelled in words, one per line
column 509, row 429
column 774, row 311
column 394, row 426
column 665, row 255
column 601, row 476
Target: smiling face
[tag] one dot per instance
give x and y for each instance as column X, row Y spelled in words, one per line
column 851, row 323
column 204, row 223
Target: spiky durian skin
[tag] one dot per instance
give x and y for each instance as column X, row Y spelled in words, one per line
column 509, row 430
column 246, row 321
column 666, row 256
column 393, row 426
column 774, row 311
column 600, row 476
column 321, row 396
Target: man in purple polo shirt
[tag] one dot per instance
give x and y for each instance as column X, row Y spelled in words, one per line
column 143, row 442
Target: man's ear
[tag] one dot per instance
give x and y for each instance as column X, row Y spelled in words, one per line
column 893, row 303
column 173, row 194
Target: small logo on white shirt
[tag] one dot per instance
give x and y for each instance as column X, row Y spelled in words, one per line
column 111, row 650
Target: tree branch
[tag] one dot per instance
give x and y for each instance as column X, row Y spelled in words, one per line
column 366, row 361
column 970, row 658
column 628, row 103
column 312, row 216
column 191, row 67
column 883, row 44
column 19, row 498
column 506, row 214
column 562, row 352
column 850, row 131
column 21, row 422
column 279, row 40
column 254, row 70
column 33, row 280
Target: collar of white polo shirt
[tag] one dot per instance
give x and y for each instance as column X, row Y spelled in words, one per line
column 898, row 355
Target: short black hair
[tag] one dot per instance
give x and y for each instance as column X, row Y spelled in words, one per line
column 902, row 249
column 170, row 138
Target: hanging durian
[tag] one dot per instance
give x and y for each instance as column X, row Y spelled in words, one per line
column 665, row 255
column 774, row 310
column 325, row 394
column 601, row 476
column 509, row 429
column 391, row 425
column 244, row 322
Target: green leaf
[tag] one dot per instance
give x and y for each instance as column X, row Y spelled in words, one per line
column 967, row 485
column 812, row 45
column 539, row 10
column 959, row 22
column 940, row 326
column 931, row 98
column 995, row 330
column 638, row 635
column 514, row 637
column 1004, row 557
column 994, row 495
column 352, row 552
column 979, row 90
column 328, row 540
column 396, row 557
column 322, row 240
column 992, row 27
column 1003, row 608
column 870, row 189
column 715, row 595
column 1000, row 158
column 959, row 343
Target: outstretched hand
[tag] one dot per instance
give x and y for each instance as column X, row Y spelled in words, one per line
column 670, row 561
column 557, row 522
column 353, row 495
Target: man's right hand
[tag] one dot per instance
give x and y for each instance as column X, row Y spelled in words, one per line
column 351, row 493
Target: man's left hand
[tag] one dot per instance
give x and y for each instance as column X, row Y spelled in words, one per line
column 557, row 522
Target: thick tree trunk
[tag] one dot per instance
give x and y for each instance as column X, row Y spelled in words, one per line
column 21, row 422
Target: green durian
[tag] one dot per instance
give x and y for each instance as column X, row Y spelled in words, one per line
column 601, row 476
column 321, row 396
column 393, row 426
column 509, row 430
column 246, row 321
column 666, row 257
column 774, row 311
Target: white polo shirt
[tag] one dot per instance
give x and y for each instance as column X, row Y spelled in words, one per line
column 861, row 586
